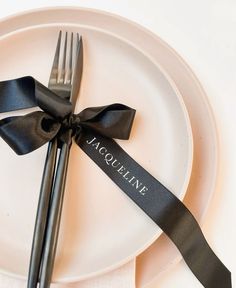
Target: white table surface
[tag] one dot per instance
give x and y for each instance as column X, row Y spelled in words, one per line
column 204, row 34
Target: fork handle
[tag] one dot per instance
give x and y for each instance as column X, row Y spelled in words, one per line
column 54, row 217
column 42, row 214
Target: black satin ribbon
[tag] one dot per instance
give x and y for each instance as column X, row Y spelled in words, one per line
column 25, row 134
column 93, row 130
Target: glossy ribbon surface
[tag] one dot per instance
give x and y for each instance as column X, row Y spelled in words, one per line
column 93, row 130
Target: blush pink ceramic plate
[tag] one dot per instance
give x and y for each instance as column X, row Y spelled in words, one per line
column 101, row 229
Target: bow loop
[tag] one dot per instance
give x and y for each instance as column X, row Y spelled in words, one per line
column 112, row 121
column 25, row 134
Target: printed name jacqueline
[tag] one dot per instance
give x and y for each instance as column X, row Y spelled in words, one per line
column 121, row 169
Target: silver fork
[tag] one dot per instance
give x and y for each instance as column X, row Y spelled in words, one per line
column 50, row 203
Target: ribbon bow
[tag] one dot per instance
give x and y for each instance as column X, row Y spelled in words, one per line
column 93, row 130
column 25, row 134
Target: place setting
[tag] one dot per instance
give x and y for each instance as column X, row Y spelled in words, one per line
column 112, row 163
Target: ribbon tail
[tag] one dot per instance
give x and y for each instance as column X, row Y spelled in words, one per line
column 162, row 206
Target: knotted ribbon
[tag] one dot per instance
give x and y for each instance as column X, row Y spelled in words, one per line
column 25, row 134
column 93, row 130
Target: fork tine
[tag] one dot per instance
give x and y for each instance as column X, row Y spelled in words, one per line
column 55, row 67
column 71, row 58
column 77, row 69
column 78, row 40
column 63, row 74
